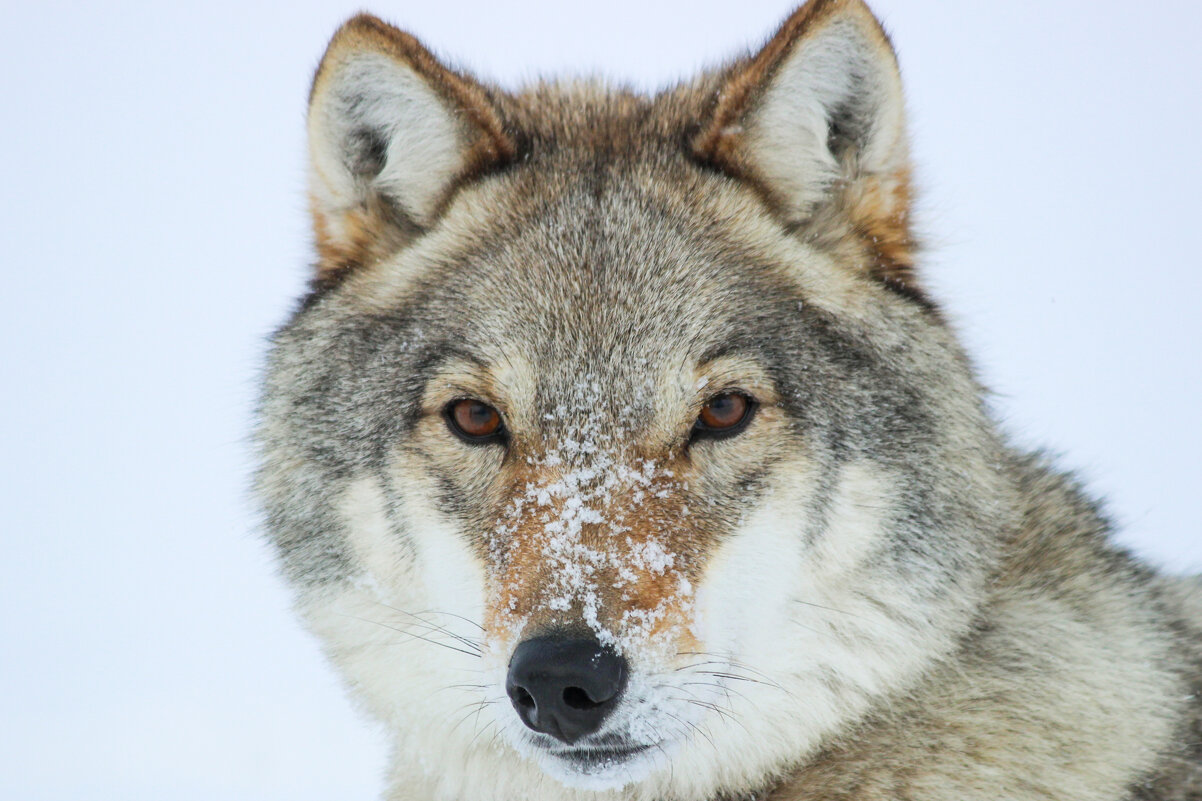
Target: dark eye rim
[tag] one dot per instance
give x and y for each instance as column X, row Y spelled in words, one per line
column 702, row 431
column 501, row 435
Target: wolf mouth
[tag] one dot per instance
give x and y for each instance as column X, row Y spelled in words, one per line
column 599, row 757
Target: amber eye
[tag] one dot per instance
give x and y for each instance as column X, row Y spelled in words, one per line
column 724, row 415
column 473, row 421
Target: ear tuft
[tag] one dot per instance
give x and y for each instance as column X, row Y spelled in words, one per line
column 392, row 134
column 816, row 122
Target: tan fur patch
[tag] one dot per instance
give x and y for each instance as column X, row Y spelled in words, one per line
column 878, row 210
column 368, row 235
column 621, row 563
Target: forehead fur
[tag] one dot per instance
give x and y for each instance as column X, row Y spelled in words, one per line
column 593, row 117
column 601, row 219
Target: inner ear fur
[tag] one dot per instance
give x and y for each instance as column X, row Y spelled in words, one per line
column 392, row 134
column 815, row 121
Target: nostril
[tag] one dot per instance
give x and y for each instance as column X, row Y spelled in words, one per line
column 522, row 698
column 578, row 698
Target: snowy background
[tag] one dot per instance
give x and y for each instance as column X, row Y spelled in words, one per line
column 153, row 228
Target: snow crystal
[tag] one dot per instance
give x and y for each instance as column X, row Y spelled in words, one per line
column 587, row 480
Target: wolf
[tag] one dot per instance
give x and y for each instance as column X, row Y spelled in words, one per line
column 618, row 453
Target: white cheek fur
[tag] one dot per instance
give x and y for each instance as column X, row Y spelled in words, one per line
column 794, row 643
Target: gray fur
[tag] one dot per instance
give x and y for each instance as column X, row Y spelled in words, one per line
column 606, row 256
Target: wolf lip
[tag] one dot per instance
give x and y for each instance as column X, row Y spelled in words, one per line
column 599, row 756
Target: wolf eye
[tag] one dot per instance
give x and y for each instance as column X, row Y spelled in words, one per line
column 473, row 421
column 724, row 415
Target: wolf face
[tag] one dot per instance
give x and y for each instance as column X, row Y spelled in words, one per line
column 617, row 448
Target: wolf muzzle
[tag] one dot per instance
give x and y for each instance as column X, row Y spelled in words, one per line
column 565, row 687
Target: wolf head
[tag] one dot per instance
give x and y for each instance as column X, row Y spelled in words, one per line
column 617, row 444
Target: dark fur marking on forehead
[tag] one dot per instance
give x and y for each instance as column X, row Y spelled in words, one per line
column 723, row 350
column 434, row 356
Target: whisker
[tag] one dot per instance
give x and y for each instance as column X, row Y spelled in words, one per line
column 732, row 665
column 472, row 708
column 693, row 698
column 725, row 674
column 473, row 654
column 452, row 614
column 722, row 687
column 671, row 766
column 736, row 665
column 419, row 617
column 480, row 731
column 699, row 664
column 733, row 677
column 470, row 643
column 820, row 606
column 809, row 628
column 726, row 714
column 462, row 687
column 694, row 727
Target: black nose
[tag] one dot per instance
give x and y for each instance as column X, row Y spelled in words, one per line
column 564, row 688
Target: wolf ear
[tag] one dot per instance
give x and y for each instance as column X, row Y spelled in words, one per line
column 392, row 133
column 816, row 121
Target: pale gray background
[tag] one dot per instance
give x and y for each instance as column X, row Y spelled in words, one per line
column 153, row 229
